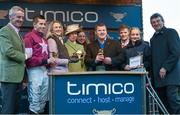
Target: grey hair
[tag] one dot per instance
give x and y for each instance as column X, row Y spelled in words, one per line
column 15, row 9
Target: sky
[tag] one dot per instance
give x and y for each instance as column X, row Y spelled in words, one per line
column 169, row 9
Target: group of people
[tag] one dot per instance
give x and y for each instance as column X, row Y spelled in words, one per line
column 55, row 50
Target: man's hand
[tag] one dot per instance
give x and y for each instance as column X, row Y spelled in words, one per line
column 99, row 57
column 162, row 73
column 24, row 85
column 107, row 60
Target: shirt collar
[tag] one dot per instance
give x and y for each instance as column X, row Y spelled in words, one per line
column 15, row 28
column 103, row 41
column 161, row 31
column 123, row 44
column 102, row 44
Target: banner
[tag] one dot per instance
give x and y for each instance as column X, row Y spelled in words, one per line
column 90, row 94
column 85, row 15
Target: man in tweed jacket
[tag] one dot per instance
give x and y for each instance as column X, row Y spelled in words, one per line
column 12, row 59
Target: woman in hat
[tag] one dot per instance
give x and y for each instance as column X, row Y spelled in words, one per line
column 75, row 50
column 57, row 48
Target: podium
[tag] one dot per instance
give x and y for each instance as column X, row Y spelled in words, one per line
column 106, row 92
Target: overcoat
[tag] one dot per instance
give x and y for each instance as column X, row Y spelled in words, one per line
column 165, row 50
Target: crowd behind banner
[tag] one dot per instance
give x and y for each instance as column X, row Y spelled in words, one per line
column 54, row 48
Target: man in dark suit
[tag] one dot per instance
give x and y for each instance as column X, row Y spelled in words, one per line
column 165, row 46
column 12, row 59
column 104, row 54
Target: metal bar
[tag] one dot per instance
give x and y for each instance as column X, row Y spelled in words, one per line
column 155, row 96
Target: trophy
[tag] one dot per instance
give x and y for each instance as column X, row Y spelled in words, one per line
column 100, row 52
column 55, row 55
column 100, row 66
column 79, row 54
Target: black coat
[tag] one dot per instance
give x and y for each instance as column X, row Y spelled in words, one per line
column 111, row 49
column 165, row 49
column 139, row 48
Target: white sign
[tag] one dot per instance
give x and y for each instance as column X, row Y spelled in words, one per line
column 135, row 61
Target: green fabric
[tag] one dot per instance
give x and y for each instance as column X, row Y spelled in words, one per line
column 72, row 48
column 12, row 57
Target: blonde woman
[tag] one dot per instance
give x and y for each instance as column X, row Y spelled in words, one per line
column 137, row 47
column 57, row 48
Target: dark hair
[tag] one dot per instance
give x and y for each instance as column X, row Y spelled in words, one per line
column 100, row 24
column 156, row 15
column 35, row 19
column 123, row 26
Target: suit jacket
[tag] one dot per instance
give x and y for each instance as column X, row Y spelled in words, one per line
column 12, row 57
column 165, row 48
column 111, row 49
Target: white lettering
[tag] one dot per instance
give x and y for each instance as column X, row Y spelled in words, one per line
column 107, row 89
column 90, row 14
column 131, row 88
column 116, row 85
column 65, row 16
column 27, row 14
column 77, row 14
column 96, row 88
column 54, row 14
column 69, row 85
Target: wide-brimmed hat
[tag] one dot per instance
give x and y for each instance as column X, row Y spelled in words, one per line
column 72, row 28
